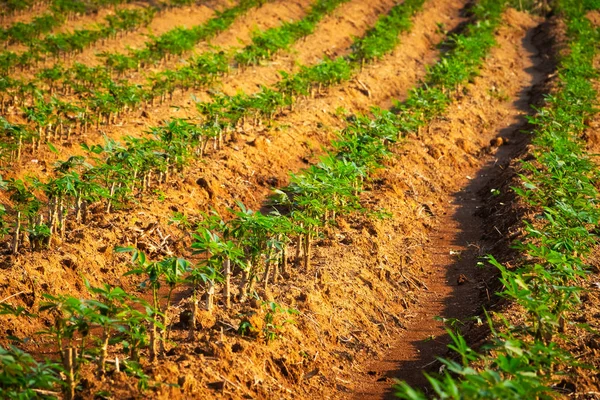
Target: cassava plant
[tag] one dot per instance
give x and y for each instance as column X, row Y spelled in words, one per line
column 169, row 270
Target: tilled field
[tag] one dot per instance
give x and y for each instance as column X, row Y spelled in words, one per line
column 298, row 199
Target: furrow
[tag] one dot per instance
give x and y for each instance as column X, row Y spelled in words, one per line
column 439, row 175
column 332, row 38
column 85, row 21
column 239, row 33
column 298, row 137
column 185, row 17
column 24, row 17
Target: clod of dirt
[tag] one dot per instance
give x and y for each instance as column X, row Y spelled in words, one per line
column 434, row 152
column 462, row 279
column 466, row 146
column 204, row 184
column 188, row 383
column 498, row 141
column 260, row 142
column 69, row 262
column 206, row 320
column 237, row 348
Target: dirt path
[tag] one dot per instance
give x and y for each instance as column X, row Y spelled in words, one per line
column 456, row 287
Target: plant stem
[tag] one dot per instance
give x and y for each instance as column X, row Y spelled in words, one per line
column 307, row 250
column 103, row 352
column 15, row 244
column 227, row 286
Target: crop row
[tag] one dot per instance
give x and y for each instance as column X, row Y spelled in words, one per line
column 121, row 170
column 66, row 8
column 63, row 44
column 104, row 95
column 179, row 40
column 59, row 12
column 522, row 360
column 266, row 43
column 56, row 119
column 101, row 94
column 199, row 70
column 249, row 244
column 228, row 111
column 173, row 42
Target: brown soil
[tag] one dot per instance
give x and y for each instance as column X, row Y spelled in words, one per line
column 454, row 287
column 367, row 302
column 239, row 34
column 335, row 33
column 25, row 16
column 281, row 141
column 85, row 21
column 270, row 15
column 331, row 38
column 88, row 253
column 161, row 23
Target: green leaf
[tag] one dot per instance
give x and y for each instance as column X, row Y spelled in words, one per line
column 52, row 148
